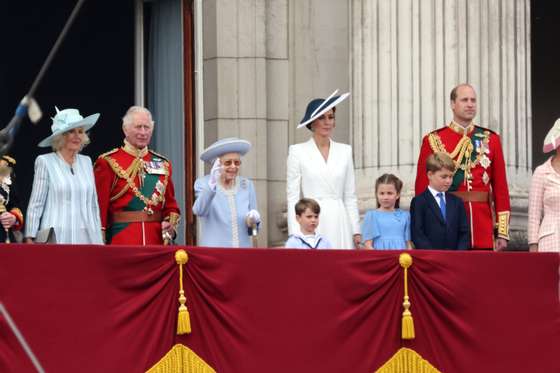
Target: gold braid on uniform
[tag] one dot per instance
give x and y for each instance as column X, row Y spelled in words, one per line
column 503, row 224
column 462, row 151
column 461, row 155
column 156, row 198
column 131, row 172
column 173, row 219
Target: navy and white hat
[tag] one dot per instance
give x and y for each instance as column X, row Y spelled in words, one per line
column 66, row 120
column 320, row 106
column 224, row 146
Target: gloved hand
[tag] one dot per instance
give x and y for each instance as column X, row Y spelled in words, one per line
column 215, row 174
column 253, row 217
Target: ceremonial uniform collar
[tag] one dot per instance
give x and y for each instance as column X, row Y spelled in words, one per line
column 135, row 152
column 456, row 127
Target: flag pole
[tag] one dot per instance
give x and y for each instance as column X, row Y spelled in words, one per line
column 8, row 133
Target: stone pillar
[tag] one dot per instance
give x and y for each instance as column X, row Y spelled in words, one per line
column 235, row 85
column 407, row 55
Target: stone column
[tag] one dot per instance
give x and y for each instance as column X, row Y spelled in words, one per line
column 246, row 95
column 235, row 81
column 407, row 55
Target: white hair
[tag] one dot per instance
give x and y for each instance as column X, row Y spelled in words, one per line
column 128, row 117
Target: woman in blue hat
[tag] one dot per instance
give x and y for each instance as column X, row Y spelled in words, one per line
column 323, row 169
column 225, row 201
column 63, row 196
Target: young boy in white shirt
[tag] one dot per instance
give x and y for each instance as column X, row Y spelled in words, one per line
column 307, row 215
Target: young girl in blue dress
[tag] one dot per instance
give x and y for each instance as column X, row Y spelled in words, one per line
column 387, row 227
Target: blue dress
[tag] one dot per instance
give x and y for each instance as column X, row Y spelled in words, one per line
column 389, row 230
column 222, row 212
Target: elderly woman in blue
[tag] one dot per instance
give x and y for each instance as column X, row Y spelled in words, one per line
column 63, row 195
column 225, row 201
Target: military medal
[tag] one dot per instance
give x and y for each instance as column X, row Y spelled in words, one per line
column 485, row 162
column 485, row 177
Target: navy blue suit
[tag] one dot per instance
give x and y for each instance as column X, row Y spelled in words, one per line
column 428, row 228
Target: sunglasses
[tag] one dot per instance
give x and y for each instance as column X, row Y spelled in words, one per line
column 229, row 162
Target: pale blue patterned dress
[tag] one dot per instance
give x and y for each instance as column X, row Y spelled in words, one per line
column 223, row 211
column 389, row 230
column 64, row 198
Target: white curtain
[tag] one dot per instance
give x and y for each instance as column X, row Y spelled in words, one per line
column 165, row 90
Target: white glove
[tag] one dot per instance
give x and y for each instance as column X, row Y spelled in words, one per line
column 253, row 216
column 215, row 174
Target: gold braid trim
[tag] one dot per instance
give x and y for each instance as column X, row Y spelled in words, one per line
column 460, row 155
column 156, row 197
column 181, row 359
column 409, row 361
column 503, row 224
column 131, row 172
column 173, row 218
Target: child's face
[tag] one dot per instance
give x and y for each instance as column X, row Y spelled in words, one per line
column 440, row 180
column 387, row 196
column 308, row 221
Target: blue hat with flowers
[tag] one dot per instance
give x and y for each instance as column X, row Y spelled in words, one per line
column 66, row 120
column 320, row 106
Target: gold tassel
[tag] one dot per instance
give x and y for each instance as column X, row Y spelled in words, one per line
column 184, row 318
column 407, row 332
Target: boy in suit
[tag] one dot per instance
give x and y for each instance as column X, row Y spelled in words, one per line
column 438, row 218
column 307, row 215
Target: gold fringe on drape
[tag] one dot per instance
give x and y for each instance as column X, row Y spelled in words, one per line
column 184, row 318
column 407, row 361
column 181, row 359
column 405, row 260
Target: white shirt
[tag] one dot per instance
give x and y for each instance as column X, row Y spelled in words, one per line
column 435, row 194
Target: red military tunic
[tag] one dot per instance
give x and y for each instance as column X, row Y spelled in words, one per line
column 135, row 194
column 480, row 178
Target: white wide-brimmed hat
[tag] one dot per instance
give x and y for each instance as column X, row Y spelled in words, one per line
column 320, row 106
column 224, row 146
column 552, row 139
column 66, row 120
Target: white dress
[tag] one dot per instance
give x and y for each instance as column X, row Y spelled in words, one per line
column 331, row 184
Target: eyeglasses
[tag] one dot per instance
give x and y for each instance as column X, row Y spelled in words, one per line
column 229, row 162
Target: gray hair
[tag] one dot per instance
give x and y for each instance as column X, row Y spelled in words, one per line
column 128, row 117
column 59, row 140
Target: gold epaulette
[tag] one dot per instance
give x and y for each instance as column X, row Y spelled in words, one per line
column 487, row 129
column 159, row 155
column 108, row 153
column 9, row 159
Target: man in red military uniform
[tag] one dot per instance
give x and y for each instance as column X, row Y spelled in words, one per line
column 480, row 176
column 134, row 187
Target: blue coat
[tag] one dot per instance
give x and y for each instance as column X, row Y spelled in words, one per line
column 216, row 208
column 428, row 228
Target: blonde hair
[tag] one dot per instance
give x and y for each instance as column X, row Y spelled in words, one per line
column 128, row 116
column 438, row 161
column 58, row 141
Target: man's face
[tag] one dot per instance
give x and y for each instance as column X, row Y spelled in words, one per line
column 139, row 132
column 464, row 106
column 440, row 180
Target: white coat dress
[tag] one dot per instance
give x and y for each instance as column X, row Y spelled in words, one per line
column 331, row 183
